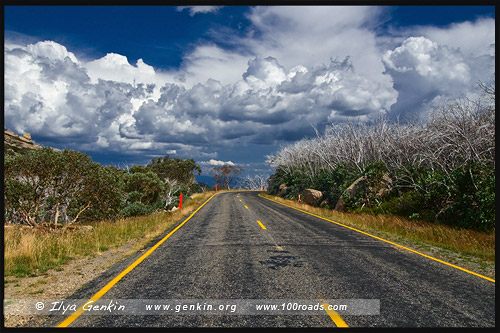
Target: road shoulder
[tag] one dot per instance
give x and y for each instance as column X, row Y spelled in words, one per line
column 468, row 262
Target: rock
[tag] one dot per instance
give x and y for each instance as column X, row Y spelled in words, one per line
column 174, row 209
column 340, row 205
column 283, row 189
column 311, row 196
column 350, row 192
column 385, row 186
column 14, row 143
column 381, row 189
column 324, row 203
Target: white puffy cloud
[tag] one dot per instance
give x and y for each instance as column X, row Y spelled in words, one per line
column 311, row 35
column 295, row 36
column 425, row 73
column 428, row 59
column 210, row 61
column 99, row 107
column 51, row 50
column 216, row 163
column 264, row 73
column 49, row 94
column 40, row 82
column 115, row 67
column 193, row 10
column 473, row 38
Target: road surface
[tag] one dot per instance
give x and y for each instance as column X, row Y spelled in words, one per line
column 240, row 246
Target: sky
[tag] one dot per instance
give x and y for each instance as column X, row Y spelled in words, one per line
column 230, row 84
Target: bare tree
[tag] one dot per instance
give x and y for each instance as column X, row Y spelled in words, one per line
column 256, row 182
column 171, row 184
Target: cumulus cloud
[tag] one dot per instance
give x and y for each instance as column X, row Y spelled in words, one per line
column 115, row 67
column 427, row 59
column 213, row 162
column 288, row 73
column 99, row 105
column 473, row 38
column 51, row 50
column 304, row 36
column 193, row 10
column 209, row 61
column 300, row 35
column 425, row 73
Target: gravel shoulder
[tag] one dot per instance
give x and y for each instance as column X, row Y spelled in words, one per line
column 60, row 282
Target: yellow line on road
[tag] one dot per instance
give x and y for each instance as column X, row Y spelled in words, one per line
column 335, row 316
column 384, row 240
column 246, row 207
column 261, row 225
column 107, row 287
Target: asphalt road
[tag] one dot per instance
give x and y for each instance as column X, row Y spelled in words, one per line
column 223, row 253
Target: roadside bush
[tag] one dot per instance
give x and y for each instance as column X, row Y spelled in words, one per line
column 471, row 198
column 136, row 208
column 167, row 168
column 198, row 188
column 59, row 187
column 144, row 187
column 105, row 186
column 64, row 187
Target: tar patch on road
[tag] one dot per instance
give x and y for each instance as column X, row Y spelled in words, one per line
column 280, row 259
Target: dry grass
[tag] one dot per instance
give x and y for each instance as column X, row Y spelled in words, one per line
column 30, row 251
column 467, row 243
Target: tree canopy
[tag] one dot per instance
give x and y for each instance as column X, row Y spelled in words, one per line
column 226, row 174
column 47, row 185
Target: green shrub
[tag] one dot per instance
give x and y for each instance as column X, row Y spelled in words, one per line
column 145, row 187
column 136, row 208
column 52, row 186
column 472, row 198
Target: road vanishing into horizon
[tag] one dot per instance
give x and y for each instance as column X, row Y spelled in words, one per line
column 240, row 247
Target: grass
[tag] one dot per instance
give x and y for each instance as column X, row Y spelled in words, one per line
column 470, row 245
column 31, row 251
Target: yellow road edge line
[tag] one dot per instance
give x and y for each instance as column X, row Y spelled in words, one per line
column 334, row 316
column 110, row 284
column 261, row 225
column 384, row 240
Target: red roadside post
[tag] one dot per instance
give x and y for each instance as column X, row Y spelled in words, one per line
column 215, row 187
column 180, row 203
